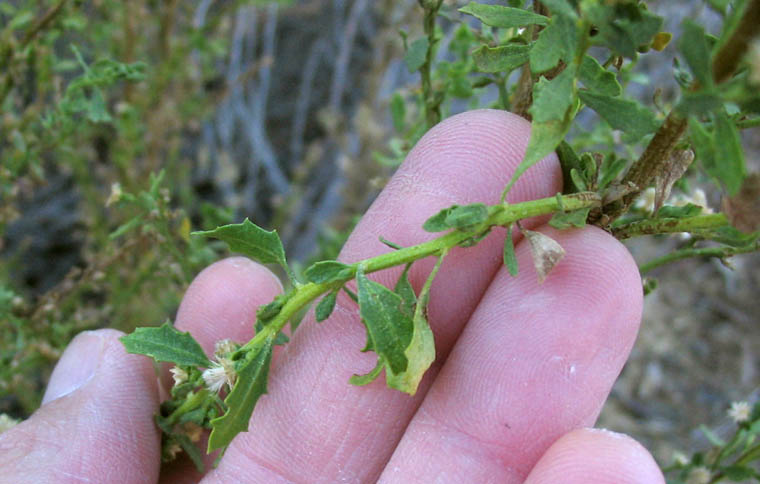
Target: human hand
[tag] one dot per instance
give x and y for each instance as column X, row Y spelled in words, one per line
column 522, row 369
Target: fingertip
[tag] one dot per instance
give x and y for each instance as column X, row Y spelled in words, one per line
column 222, row 300
column 598, row 456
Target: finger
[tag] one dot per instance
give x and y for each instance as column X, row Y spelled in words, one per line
column 96, row 421
column 220, row 303
column 534, row 362
column 313, row 424
column 598, row 456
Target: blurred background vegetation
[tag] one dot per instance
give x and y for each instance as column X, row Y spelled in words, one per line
column 126, row 125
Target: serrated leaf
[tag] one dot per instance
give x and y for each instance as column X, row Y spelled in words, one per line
column 166, row 344
column 503, row 17
column 456, row 216
column 623, row 114
column 416, row 55
column 250, row 240
column 509, row 256
column 555, row 42
column 567, row 220
column 504, row 58
column 598, row 79
column 695, row 49
column 553, row 98
column 389, row 327
column 420, row 352
column 250, row 385
column 728, row 150
column 326, row 306
column 328, row 271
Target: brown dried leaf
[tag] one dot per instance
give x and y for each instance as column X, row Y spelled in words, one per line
column 546, row 252
column 743, row 209
column 674, row 169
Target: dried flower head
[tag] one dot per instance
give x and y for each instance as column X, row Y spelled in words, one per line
column 179, row 375
column 740, row 412
column 221, row 372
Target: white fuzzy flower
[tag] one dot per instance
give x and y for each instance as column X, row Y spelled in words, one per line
column 699, row 475
column 646, row 200
column 740, row 411
column 221, row 372
column 179, row 375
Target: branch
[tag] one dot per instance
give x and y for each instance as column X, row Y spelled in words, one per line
column 719, row 252
column 670, row 225
column 657, row 153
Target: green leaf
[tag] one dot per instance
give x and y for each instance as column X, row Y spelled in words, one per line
column 555, row 42
column 598, row 79
column 420, row 352
column 544, row 138
column 624, row 26
column 457, row 217
column 167, row 344
column 268, row 311
column 250, row 385
column 510, row 258
column 328, row 271
column 672, row 211
column 578, row 180
column 416, row 54
column 612, row 166
column 503, row 17
column 398, row 112
column 739, row 473
column 567, row 220
column 699, row 103
column 326, row 306
column 623, row 114
column 695, row 49
column 552, row 99
column 504, row 58
column 720, row 151
column 404, row 289
column 562, row 8
column 389, row 327
column 728, row 150
column 361, row 380
column 250, row 240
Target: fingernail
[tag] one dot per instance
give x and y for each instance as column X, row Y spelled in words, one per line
column 76, row 367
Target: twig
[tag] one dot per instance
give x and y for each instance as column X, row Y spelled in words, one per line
column 719, row 252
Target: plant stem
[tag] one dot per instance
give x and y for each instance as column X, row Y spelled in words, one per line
column 670, row 225
column 719, row 252
column 432, row 105
column 656, row 155
column 501, row 215
column 731, row 53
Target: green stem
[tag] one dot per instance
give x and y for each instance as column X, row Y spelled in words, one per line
column 670, row 225
column 432, row 106
column 719, row 252
column 191, row 403
column 501, row 215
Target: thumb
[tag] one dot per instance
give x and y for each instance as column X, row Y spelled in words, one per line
column 96, row 421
